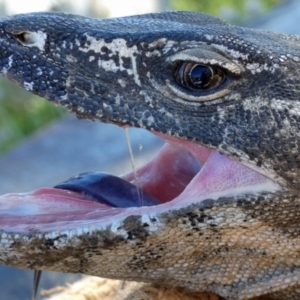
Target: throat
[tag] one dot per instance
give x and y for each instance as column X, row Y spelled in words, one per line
column 168, row 174
column 186, row 171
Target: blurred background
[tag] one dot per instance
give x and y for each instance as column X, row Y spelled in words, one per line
column 41, row 145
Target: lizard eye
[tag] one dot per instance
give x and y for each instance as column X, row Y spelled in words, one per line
column 195, row 76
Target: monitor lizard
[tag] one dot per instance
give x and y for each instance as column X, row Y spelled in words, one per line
column 225, row 99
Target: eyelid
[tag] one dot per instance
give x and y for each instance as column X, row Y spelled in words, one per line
column 207, row 96
column 205, row 57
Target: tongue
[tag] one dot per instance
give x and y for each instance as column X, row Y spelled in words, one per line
column 108, row 189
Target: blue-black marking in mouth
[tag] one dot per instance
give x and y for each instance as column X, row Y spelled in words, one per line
column 108, row 189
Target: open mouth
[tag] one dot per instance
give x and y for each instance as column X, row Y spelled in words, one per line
column 182, row 173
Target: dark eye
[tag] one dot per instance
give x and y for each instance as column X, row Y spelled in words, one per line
column 198, row 77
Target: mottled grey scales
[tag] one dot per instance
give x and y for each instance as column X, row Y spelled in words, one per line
column 122, row 71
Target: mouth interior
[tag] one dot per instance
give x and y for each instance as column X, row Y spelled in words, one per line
column 182, row 173
column 185, row 171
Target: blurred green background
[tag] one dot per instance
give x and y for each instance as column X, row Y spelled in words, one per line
column 22, row 113
column 234, row 11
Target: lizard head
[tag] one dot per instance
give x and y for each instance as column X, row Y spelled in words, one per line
column 223, row 98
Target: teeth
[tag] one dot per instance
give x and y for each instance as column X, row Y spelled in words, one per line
column 108, row 189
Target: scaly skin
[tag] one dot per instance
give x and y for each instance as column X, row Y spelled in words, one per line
column 121, row 71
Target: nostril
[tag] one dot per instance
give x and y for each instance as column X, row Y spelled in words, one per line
column 32, row 39
column 26, row 38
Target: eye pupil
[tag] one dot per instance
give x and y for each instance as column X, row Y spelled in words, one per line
column 200, row 76
column 195, row 76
